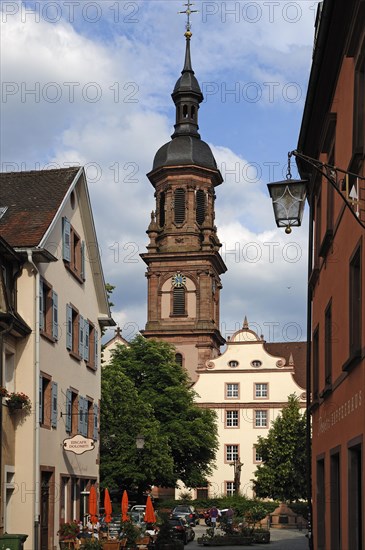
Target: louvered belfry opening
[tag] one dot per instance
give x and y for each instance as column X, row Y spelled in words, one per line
column 162, row 209
column 178, row 307
column 179, row 206
column 179, row 359
column 200, row 206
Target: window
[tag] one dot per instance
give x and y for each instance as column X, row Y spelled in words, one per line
column 233, row 364
column 355, row 303
column 256, row 363
column 261, row 390
column 359, row 107
column 75, row 331
column 261, row 419
column 73, row 250
column 321, row 505
column 72, row 412
column 9, row 371
column 48, row 410
column 202, row 493
column 48, row 311
column 90, row 351
column 179, row 359
column 328, row 344
column 256, row 455
column 231, row 453
column 178, row 301
column 335, row 502
column 231, row 419
column 315, row 364
column 230, row 488
column 162, row 209
column 232, row 390
column 179, row 206
column 200, row 206
column 355, row 496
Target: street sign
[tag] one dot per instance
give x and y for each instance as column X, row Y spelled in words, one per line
column 78, row 444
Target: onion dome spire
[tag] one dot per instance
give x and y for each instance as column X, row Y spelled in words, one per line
column 187, row 94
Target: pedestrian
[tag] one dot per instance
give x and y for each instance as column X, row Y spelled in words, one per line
column 229, row 516
column 213, row 513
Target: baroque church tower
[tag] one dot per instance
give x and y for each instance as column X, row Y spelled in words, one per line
column 183, row 260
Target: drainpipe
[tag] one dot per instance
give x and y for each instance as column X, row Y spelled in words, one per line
column 36, row 400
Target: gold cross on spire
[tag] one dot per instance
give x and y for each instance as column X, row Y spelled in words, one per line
column 188, row 12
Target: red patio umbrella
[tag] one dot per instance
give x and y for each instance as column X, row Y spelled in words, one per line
column 125, row 506
column 149, row 515
column 107, row 507
column 93, row 505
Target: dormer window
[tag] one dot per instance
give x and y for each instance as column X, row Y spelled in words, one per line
column 256, row 363
column 233, row 364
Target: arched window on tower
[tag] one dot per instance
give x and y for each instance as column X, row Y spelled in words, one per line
column 178, row 301
column 162, row 209
column 200, row 206
column 179, row 359
column 185, row 111
column 193, row 112
column 179, row 206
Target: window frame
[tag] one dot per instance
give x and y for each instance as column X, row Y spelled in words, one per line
column 227, row 384
column 48, row 311
column 255, row 388
column 73, row 251
column 261, row 426
column 235, row 453
column 232, row 420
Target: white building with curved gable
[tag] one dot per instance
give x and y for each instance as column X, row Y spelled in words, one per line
column 247, row 386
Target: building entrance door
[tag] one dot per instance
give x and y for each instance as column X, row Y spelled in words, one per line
column 45, row 509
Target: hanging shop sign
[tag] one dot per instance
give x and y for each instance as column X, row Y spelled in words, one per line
column 78, row 444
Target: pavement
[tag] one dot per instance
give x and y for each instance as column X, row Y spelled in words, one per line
column 280, row 539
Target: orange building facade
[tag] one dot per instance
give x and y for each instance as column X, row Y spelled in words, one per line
column 333, row 132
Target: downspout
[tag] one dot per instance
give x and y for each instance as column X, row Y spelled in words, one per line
column 36, row 402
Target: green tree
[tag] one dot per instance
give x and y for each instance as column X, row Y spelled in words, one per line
column 282, row 474
column 124, row 414
column 161, row 383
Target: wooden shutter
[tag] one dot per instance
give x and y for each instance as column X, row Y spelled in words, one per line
column 96, row 348
column 54, row 315
column 81, row 335
column 68, row 411
column 179, row 300
column 83, row 260
column 68, row 327
column 96, row 416
column 179, row 206
column 40, row 397
column 66, row 239
column 54, row 405
column 86, row 340
column 41, row 305
column 200, row 206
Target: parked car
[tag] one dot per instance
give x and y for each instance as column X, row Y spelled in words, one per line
column 114, row 526
column 187, row 512
column 181, row 529
column 138, row 508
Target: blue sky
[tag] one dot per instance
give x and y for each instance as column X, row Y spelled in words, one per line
column 89, row 83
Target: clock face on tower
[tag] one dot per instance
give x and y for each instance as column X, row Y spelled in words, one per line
column 178, row 279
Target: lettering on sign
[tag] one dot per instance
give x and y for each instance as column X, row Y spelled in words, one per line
column 326, row 422
column 78, row 444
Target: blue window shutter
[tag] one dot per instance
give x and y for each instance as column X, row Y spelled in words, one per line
column 81, row 336
column 40, row 399
column 80, row 415
column 41, row 305
column 54, row 405
column 54, row 315
column 68, row 327
column 83, row 260
column 86, row 340
column 66, row 239
column 68, row 411
column 96, row 343
column 86, row 416
column 96, row 415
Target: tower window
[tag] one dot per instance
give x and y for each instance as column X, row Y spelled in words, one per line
column 162, row 209
column 185, row 111
column 192, row 112
column 179, row 206
column 200, row 206
column 179, row 359
column 178, row 306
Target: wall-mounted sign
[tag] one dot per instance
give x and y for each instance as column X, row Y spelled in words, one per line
column 78, row 444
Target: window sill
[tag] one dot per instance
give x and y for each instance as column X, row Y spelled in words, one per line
column 178, row 315
column 74, row 272
column 47, row 336
column 352, row 361
column 91, row 367
column 74, row 355
column 45, row 426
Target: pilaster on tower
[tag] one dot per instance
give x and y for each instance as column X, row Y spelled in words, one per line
column 183, row 260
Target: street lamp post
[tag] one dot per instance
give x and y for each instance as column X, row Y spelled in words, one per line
column 140, row 442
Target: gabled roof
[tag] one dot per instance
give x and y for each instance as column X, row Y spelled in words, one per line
column 33, row 199
column 295, row 351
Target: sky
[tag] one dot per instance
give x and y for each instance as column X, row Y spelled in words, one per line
column 89, row 83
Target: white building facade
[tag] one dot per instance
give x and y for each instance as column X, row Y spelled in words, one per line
column 247, row 387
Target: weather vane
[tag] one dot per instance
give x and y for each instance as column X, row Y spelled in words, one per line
column 188, row 12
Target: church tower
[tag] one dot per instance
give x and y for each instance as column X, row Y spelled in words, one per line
column 183, row 260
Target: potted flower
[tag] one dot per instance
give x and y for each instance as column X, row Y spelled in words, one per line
column 3, row 392
column 68, row 532
column 18, row 400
